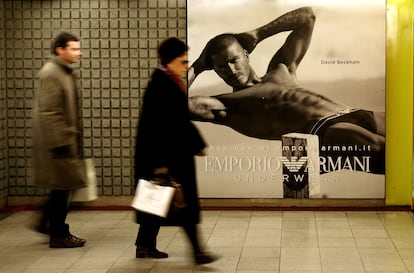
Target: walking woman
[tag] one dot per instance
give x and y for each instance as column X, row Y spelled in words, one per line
column 166, row 144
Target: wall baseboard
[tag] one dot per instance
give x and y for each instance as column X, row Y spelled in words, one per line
column 123, row 203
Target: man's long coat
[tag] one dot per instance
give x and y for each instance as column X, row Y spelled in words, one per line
column 56, row 124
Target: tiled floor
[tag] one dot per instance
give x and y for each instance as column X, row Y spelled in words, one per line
column 247, row 241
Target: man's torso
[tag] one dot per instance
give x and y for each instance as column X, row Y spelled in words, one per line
column 275, row 106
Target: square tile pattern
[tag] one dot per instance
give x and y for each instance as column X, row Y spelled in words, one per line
column 246, row 241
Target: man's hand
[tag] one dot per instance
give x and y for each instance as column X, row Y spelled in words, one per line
column 206, row 108
column 248, row 40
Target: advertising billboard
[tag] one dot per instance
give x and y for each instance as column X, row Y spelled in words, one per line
column 290, row 97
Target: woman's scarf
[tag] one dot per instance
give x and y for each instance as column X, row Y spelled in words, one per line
column 178, row 81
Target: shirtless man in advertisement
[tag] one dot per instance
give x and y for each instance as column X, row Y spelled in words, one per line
column 276, row 104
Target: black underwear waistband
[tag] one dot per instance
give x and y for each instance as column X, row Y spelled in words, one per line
column 359, row 117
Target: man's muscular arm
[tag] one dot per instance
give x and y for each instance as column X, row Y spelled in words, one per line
column 198, row 66
column 301, row 22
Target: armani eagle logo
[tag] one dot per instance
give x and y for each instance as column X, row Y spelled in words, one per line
column 294, row 164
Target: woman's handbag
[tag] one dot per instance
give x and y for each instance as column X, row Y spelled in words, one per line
column 90, row 192
column 178, row 199
column 158, row 197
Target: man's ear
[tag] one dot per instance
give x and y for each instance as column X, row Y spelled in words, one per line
column 58, row 50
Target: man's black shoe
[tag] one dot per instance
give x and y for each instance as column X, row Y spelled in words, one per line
column 69, row 241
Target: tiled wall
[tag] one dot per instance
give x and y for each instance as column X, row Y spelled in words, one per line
column 3, row 120
column 119, row 41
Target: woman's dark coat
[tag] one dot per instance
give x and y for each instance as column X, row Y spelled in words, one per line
column 166, row 137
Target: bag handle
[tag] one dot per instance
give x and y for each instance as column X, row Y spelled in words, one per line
column 162, row 176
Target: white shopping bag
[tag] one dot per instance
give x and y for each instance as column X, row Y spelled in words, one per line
column 153, row 198
column 90, row 192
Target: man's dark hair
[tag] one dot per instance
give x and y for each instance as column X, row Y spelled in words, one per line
column 217, row 44
column 170, row 49
column 62, row 41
